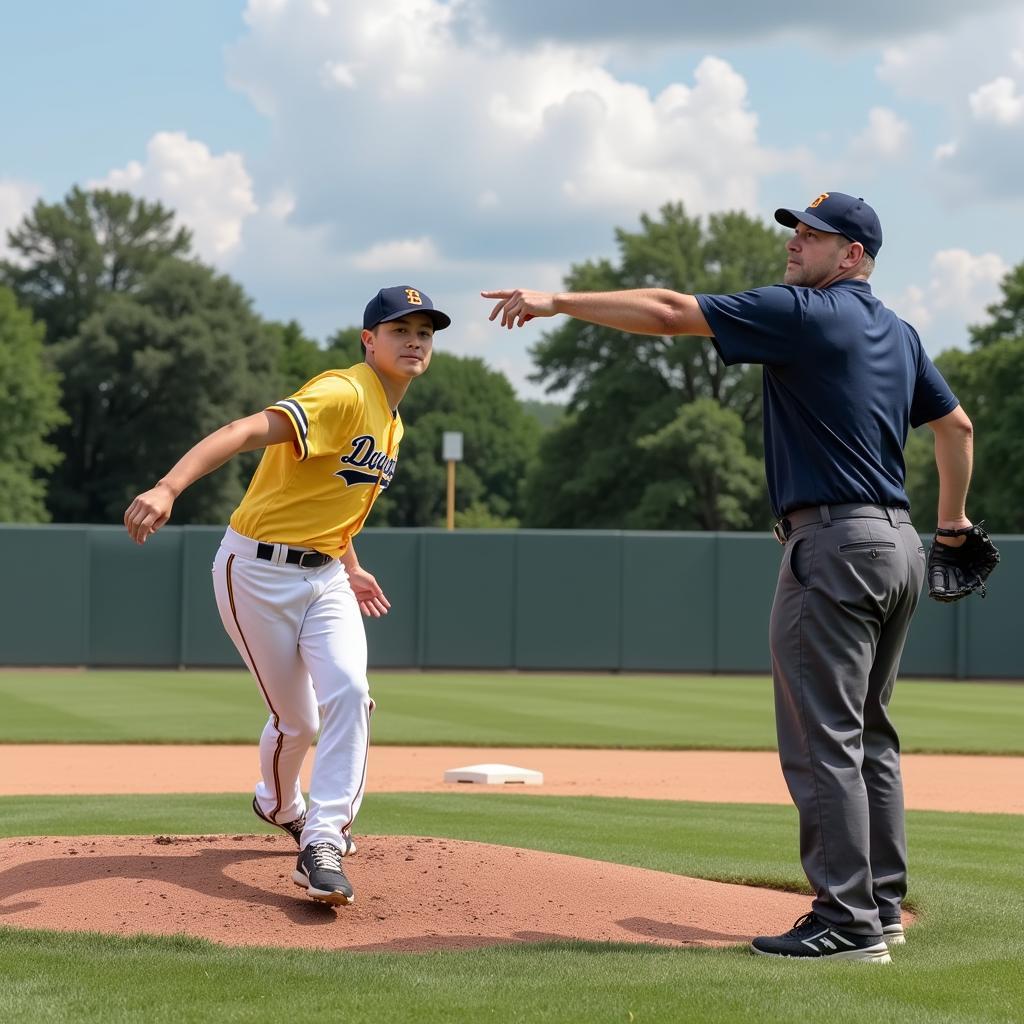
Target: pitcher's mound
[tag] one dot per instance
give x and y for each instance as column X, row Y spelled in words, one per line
column 412, row 894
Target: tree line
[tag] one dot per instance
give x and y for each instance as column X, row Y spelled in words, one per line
column 119, row 349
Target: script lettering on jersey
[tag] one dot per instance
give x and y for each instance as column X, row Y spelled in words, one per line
column 366, row 456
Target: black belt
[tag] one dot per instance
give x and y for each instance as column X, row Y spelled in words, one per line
column 826, row 513
column 295, row 556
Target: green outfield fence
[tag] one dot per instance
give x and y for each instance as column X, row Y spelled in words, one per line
column 495, row 599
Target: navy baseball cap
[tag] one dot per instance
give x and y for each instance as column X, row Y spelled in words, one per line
column 392, row 303
column 839, row 214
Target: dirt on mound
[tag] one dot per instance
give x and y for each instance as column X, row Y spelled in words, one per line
column 412, row 894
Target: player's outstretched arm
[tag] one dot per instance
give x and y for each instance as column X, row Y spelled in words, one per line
column 151, row 509
column 635, row 311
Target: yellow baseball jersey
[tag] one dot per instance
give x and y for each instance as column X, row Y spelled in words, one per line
column 318, row 491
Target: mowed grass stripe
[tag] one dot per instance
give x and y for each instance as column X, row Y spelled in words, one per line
column 61, row 978
column 27, row 707
column 667, row 712
column 961, row 963
column 114, row 706
column 602, row 710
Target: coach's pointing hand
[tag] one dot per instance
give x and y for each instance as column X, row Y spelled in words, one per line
column 517, row 306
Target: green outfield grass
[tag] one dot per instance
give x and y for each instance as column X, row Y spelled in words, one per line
column 961, row 962
column 645, row 711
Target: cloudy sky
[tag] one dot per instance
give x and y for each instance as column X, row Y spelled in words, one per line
column 319, row 149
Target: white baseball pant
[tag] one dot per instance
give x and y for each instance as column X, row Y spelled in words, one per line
column 301, row 634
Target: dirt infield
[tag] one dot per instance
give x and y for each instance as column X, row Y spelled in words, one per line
column 932, row 782
column 412, row 894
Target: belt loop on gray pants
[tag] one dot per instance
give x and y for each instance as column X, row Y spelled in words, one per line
column 890, row 514
column 826, row 515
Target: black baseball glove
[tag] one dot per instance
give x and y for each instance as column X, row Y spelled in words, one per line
column 954, row 573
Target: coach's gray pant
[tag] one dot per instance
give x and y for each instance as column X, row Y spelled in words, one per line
column 846, row 592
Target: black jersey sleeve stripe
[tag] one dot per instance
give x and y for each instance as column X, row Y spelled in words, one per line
column 300, row 413
column 292, row 410
column 288, row 408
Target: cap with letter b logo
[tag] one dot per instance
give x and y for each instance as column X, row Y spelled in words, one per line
column 398, row 301
column 839, row 214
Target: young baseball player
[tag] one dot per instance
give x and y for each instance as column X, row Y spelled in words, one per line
column 287, row 580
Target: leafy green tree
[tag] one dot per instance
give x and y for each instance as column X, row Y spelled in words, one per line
column 148, row 375
column 479, row 517
column 155, row 350
column 30, row 409
column 344, row 348
column 922, row 483
column 989, row 381
column 990, row 385
column 1007, row 315
column 70, row 257
column 547, row 414
column 298, row 358
column 717, row 478
column 591, row 471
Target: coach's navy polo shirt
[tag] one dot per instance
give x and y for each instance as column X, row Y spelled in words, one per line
column 844, row 379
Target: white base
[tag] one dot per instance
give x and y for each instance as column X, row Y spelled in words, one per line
column 494, row 774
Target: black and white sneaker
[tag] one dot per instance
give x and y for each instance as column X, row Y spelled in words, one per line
column 813, row 938
column 892, row 932
column 292, row 828
column 319, row 872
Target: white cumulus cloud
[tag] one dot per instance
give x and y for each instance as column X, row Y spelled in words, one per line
column 407, row 100
column 212, row 195
column 412, row 138
column 885, row 137
column 16, row 199
column 976, row 75
column 884, row 140
column 960, row 286
column 403, row 254
column 338, row 74
column 946, row 66
column 999, row 101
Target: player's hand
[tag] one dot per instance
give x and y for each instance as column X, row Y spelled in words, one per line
column 372, row 602
column 518, row 306
column 148, row 512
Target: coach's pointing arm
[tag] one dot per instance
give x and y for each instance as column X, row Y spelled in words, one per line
column 637, row 311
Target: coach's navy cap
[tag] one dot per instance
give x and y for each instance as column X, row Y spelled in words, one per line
column 392, row 303
column 839, row 214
